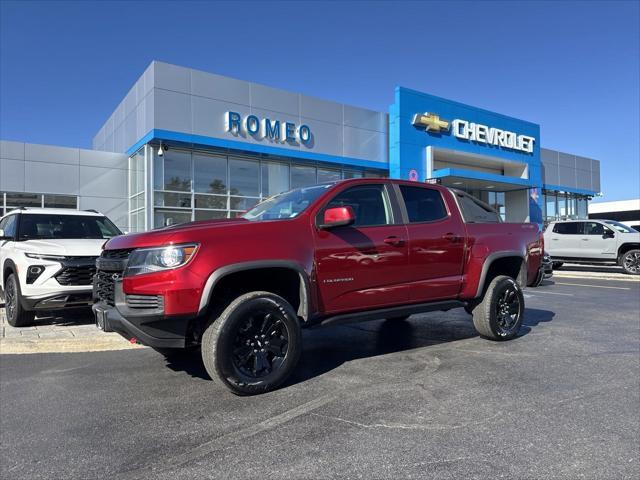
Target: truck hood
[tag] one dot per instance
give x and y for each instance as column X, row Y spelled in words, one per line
column 181, row 233
column 76, row 247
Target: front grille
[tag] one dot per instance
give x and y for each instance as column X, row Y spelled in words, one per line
column 121, row 254
column 111, row 266
column 80, row 275
column 144, row 301
column 104, row 287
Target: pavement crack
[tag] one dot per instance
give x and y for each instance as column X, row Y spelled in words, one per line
column 228, row 439
column 404, row 426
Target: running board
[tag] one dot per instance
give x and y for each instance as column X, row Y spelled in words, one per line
column 390, row 312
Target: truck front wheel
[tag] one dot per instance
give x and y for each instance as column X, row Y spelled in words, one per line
column 500, row 314
column 254, row 345
column 630, row 262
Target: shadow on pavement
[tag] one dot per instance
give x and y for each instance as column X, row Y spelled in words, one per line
column 325, row 349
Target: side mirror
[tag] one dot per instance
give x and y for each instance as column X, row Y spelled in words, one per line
column 608, row 234
column 338, row 217
column 3, row 236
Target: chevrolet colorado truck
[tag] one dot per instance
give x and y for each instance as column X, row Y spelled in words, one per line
column 354, row 250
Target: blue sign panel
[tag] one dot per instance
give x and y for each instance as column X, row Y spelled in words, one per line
column 418, row 121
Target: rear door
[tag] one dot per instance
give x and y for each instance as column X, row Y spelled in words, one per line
column 366, row 264
column 436, row 243
column 565, row 240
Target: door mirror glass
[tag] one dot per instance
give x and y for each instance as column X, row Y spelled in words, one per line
column 338, row 217
column 608, row 233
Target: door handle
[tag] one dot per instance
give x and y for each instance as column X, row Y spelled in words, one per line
column 585, row 239
column 393, row 240
column 452, row 237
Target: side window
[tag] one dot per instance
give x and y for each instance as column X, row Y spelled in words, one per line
column 423, row 204
column 594, row 228
column 571, row 228
column 10, row 224
column 475, row 211
column 369, row 204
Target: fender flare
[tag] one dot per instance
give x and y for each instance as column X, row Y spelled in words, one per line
column 10, row 264
column 219, row 274
column 487, row 264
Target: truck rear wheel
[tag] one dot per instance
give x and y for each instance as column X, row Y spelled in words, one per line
column 500, row 314
column 630, row 262
column 255, row 344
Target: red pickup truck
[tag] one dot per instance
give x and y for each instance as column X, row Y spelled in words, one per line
column 363, row 249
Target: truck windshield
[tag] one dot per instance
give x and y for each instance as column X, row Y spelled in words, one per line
column 46, row 226
column 286, row 205
column 621, row 227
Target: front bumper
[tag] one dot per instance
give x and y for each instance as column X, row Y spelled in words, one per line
column 58, row 300
column 157, row 331
column 134, row 319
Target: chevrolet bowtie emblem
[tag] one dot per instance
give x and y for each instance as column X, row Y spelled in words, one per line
column 431, row 122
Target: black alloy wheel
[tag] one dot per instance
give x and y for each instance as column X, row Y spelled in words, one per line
column 631, row 262
column 10, row 299
column 254, row 345
column 16, row 315
column 261, row 344
column 507, row 311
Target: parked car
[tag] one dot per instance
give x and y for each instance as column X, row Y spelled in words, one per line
column 342, row 252
column 545, row 272
column 593, row 242
column 48, row 259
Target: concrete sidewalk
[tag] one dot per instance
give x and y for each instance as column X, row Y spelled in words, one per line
column 72, row 332
column 605, row 272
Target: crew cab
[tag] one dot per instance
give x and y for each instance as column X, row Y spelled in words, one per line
column 594, row 242
column 354, row 250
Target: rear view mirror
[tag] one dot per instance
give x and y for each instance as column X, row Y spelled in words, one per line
column 338, row 217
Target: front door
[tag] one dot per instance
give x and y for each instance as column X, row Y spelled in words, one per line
column 599, row 241
column 363, row 265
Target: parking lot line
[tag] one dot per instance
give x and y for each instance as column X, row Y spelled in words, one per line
column 555, row 293
column 594, row 286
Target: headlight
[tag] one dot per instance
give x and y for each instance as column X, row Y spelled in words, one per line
column 38, row 256
column 148, row 260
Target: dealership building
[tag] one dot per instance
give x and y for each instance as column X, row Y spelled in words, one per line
column 189, row 145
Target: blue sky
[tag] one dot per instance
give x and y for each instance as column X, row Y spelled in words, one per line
column 572, row 67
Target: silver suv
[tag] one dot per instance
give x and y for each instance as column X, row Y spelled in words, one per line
column 593, row 241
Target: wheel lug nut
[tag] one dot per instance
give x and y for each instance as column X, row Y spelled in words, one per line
column 262, row 349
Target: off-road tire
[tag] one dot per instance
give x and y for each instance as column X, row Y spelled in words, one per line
column 219, row 343
column 557, row 265
column 629, row 262
column 16, row 315
column 486, row 318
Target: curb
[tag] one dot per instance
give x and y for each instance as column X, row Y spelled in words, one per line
column 620, row 277
column 59, row 345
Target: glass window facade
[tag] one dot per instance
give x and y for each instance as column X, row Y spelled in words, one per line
column 13, row 200
column 199, row 185
column 564, row 206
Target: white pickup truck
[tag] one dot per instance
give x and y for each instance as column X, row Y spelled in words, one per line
column 593, row 241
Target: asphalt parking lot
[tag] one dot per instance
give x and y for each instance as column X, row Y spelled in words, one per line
column 425, row 398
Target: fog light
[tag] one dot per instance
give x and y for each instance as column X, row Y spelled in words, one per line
column 33, row 272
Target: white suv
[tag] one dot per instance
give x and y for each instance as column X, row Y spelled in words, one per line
column 593, row 241
column 47, row 259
